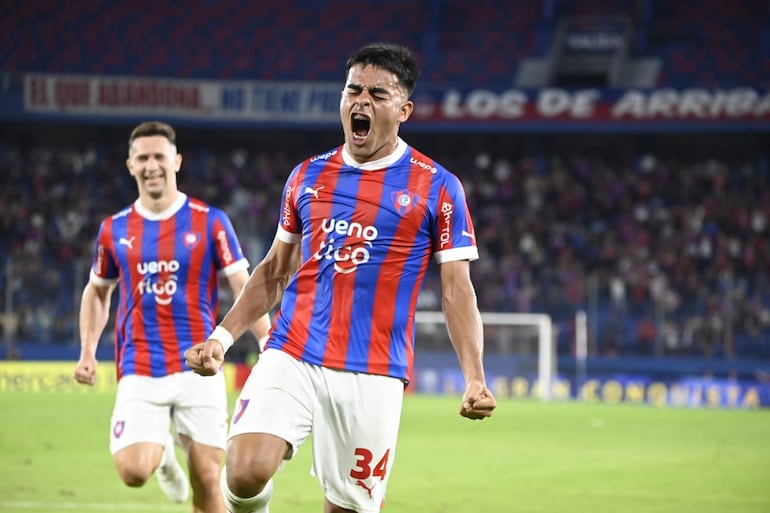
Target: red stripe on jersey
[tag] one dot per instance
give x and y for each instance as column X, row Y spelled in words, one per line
column 101, row 269
column 298, row 330
column 198, row 225
column 367, row 207
column 387, row 289
column 105, row 252
column 166, row 252
column 138, row 336
column 339, row 321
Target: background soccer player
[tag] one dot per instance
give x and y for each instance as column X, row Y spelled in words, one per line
column 166, row 252
column 363, row 219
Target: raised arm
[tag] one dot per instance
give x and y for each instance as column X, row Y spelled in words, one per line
column 94, row 314
column 463, row 321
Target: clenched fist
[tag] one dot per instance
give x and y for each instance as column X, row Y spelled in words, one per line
column 206, row 358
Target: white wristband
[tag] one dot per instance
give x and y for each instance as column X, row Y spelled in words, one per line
column 223, row 336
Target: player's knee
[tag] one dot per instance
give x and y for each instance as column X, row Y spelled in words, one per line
column 134, row 466
column 251, row 461
column 133, row 476
column 246, row 478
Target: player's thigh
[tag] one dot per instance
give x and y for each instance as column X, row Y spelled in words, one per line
column 354, row 437
column 277, row 399
column 200, row 409
column 204, row 461
column 140, row 413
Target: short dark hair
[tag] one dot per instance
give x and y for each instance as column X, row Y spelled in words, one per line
column 397, row 59
column 151, row 128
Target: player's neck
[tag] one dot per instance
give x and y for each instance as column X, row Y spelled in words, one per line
column 158, row 205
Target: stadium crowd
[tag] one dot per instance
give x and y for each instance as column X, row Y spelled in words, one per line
column 668, row 255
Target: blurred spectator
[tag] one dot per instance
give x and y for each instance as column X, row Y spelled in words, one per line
column 669, row 254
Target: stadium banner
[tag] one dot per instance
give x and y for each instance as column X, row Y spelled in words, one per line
column 53, row 376
column 683, row 392
column 208, row 100
column 57, row 376
column 42, row 96
column 50, row 376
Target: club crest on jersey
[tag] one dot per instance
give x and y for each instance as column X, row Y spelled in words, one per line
column 117, row 429
column 240, row 408
column 404, row 201
column 191, row 239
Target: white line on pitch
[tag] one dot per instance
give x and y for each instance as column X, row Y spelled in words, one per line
column 100, row 506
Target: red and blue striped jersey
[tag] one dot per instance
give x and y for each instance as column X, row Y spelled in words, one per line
column 167, row 267
column 367, row 234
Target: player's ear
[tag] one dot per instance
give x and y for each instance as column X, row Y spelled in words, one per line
column 178, row 162
column 406, row 111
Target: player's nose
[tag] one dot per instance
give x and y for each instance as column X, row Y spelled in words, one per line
column 152, row 163
column 364, row 99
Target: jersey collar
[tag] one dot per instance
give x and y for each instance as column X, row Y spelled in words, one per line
column 180, row 200
column 382, row 163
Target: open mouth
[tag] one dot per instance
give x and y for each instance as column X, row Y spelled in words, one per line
column 359, row 126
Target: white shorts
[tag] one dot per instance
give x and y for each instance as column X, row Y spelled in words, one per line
column 146, row 406
column 353, row 417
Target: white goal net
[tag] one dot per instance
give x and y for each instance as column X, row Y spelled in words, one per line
column 504, row 333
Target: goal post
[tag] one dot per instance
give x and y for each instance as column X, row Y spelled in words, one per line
column 546, row 355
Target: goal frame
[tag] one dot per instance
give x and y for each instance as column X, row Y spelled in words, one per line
column 546, row 354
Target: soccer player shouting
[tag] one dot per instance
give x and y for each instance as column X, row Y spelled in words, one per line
column 165, row 252
column 358, row 227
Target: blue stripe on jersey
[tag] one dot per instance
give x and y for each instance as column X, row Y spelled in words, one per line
column 150, row 236
column 360, row 326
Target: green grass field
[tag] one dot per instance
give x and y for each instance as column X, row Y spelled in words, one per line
column 530, row 458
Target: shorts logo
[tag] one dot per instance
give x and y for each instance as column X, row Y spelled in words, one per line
column 118, row 428
column 240, row 408
column 404, row 201
column 363, row 485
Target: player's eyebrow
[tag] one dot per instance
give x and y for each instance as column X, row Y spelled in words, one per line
column 157, row 155
column 373, row 90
